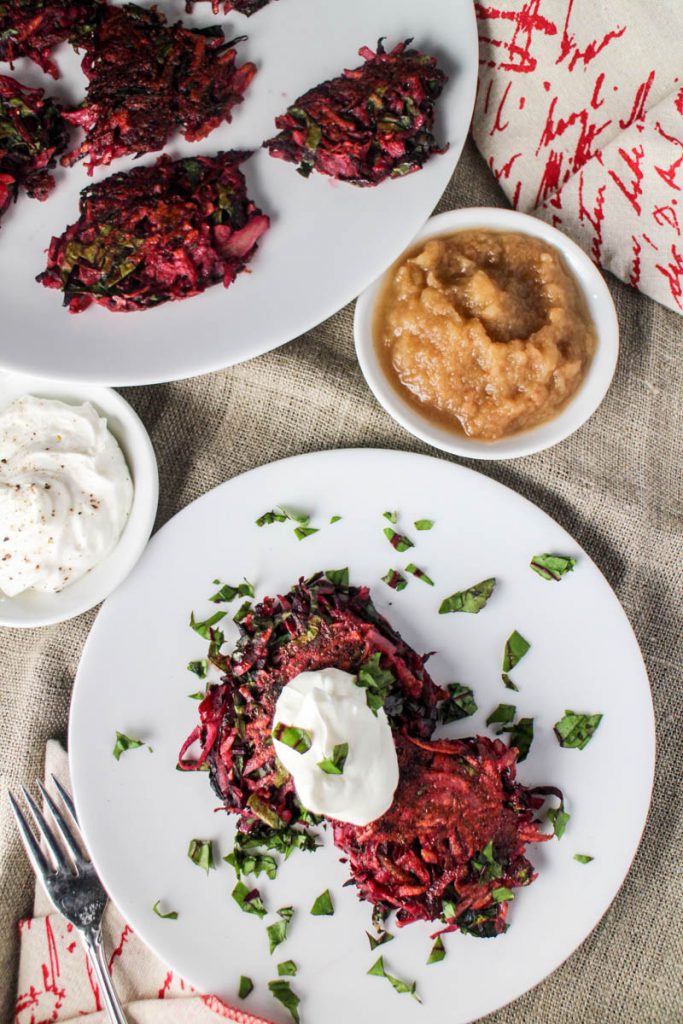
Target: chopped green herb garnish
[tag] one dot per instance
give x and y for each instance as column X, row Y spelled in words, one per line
column 251, row 863
column 391, row 516
column 486, row 863
column 304, row 531
column 124, row 743
column 204, row 628
column 576, row 730
column 459, row 704
column 521, row 736
column 509, row 685
column 421, row 575
column 283, row 993
column 424, row 524
column 378, row 970
column 298, row 739
column 281, row 838
column 296, row 517
column 380, row 940
column 515, row 649
column 271, row 517
column 448, row 910
column 438, row 951
column 340, row 577
column 172, row 915
column 503, row 714
column 397, row 540
column 334, row 519
column 334, row 765
column 249, row 900
column 200, row 668
column 200, row 852
column 395, row 580
column 287, row 969
column 267, row 815
column 246, row 987
column 197, row 695
column 583, row 858
column 376, row 681
column 322, row 907
column 558, row 818
column 471, row 600
column 242, row 612
column 229, row 593
column 277, row 933
column 552, row 567
column 502, row 895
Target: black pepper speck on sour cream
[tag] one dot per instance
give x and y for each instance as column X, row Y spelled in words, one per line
column 65, row 493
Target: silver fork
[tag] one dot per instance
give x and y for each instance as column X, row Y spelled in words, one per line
column 72, row 885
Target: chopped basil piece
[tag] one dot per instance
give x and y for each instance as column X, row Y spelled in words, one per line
column 286, row 913
column 486, row 862
column 395, row 580
column 522, row 736
column 424, row 524
column 322, row 907
column 503, row 714
column 340, row 577
column 246, row 987
column 448, row 910
column 200, row 668
column 298, row 739
column 264, row 812
column 421, row 575
column 509, row 685
column 229, row 593
column 459, row 704
column 296, row 517
column 576, row 730
column 283, row 993
column 471, row 600
column 200, row 852
column 402, row 987
column 438, row 951
column 515, row 649
column 552, row 567
column 376, row 681
column 304, row 531
column 280, row 838
column 502, row 895
column 271, row 517
column 391, row 516
column 277, row 933
column 380, row 940
column 242, row 612
column 558, row 818
column 397, row 540
column 172, row 915
column 248, row 900
column 197, row 695
column 287, row 969
column 335, row 765
column 124, row 743
column 334, row 519
column 204, row 628
column 583, row 858
column 255, row 863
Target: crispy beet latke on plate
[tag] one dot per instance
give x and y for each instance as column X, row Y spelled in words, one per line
column 156, row 234
column 372, row 123
column 32, row 28
column 452, row 843
column 32, row 134
column 146, row 78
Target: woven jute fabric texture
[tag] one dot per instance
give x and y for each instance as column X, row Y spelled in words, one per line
column 615, row 485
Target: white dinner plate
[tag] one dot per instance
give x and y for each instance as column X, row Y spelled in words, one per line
column 327, row 240
column 139, row 814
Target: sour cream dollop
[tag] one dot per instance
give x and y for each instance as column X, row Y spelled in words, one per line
column 332, row 708
column 65, row 493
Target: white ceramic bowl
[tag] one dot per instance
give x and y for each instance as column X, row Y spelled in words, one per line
column 580, row 407
column 35, row 609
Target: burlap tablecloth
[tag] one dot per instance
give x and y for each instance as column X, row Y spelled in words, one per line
column 615, row 485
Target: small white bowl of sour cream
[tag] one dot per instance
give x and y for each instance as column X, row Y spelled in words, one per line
column 578, row 408
column 32, row 607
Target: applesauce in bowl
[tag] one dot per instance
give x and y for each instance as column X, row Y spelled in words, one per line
column 484, row 331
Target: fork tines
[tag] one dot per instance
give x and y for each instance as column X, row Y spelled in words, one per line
column 57, row 860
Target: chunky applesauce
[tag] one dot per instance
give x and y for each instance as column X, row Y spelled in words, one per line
column 484, row 332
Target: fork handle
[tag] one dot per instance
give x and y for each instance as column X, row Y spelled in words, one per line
column 94, row 944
